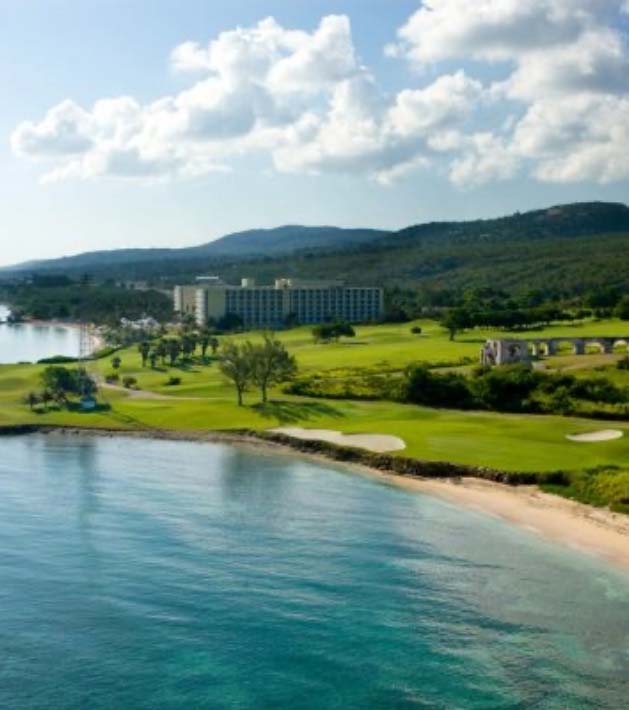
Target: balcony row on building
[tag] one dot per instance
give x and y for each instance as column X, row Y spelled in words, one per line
column 286, row 301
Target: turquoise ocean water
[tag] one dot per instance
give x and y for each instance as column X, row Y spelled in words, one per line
column 146, row 574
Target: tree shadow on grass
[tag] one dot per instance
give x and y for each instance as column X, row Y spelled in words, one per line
column 99, row 407
column 186, row 366
column 291, row 412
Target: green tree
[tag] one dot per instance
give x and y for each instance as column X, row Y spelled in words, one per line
column 62, row 381
column 236, row 365
column 116, row 362
column 162, row 350
column 456, row 319
column 46, row 398
column 204, row 342
column 153, row 355
column 214, row 345
column 144, row 349
column 173, row 348
column 622, row 308
column 32, row 399
column 325, row 332
column 271, row 364
column 188, row 345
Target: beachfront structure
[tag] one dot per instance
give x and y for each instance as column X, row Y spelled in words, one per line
column 509, row 352
column 306, row 302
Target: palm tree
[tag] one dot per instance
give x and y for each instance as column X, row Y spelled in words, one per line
column 204, row 342
column 144, row 348
column 162, row 351
column 188, row 344
column 174, row 350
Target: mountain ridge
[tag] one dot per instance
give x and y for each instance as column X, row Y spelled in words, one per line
column 564, row 247
column 247, row 243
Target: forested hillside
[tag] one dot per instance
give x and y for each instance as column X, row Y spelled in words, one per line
column 563, row 250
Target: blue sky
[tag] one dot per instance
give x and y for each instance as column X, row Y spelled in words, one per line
column 374, row 113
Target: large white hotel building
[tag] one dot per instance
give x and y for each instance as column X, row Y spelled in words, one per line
column 210, row 299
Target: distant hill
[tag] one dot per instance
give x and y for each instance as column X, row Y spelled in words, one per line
column 566, row 248
column 251, row 243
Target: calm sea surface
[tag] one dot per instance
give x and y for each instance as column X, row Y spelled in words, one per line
column 28, row 343
column 145, row 574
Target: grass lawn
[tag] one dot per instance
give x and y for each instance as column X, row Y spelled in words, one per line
column 204, row 401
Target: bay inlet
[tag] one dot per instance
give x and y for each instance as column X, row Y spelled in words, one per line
column 29, row 342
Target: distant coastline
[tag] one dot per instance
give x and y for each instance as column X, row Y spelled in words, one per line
column 596, row 532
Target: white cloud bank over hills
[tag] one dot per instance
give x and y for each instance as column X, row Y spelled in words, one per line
column 559, row 111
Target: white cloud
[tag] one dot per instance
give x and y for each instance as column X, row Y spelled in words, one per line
column 304, row 100
column 65, row 130
column 567, row 66
column 259, row 82
column 485, row 158
column 584, row 139
column 494, row 30
column 450, row 99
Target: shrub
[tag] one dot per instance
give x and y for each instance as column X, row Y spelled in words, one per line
column 416, row 330
column 561, row 402
column 112, row 378
column 56, row 360
column 622, row 308
column 623, row 363
column 173, row 381
column 598, row 389
column 129, row 382
column 421, row 386
column 507, row 388
column 332, row 331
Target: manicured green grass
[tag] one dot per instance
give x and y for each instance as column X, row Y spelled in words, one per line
column 204, row 401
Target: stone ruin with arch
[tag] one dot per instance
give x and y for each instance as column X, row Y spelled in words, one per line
column 504, row 351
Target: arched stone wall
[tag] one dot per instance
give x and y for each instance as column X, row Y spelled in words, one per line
column 505, row 351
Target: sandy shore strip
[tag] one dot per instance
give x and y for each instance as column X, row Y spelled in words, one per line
column 377, row 443
column 596, row 532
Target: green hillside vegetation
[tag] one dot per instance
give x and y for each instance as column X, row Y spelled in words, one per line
column 195, row 396
column 563, row 250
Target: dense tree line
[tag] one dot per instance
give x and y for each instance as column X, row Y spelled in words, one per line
column 513, row 388
column 62, row 299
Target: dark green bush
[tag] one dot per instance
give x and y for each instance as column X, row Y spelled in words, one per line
column 421, row 386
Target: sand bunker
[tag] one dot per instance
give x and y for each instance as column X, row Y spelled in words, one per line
column 592, row 437
column 378, row 443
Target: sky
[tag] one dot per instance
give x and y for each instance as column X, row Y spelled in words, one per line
column 128, row 123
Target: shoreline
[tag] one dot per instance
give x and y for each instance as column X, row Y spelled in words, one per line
column 97, row 341
column 596, row 532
